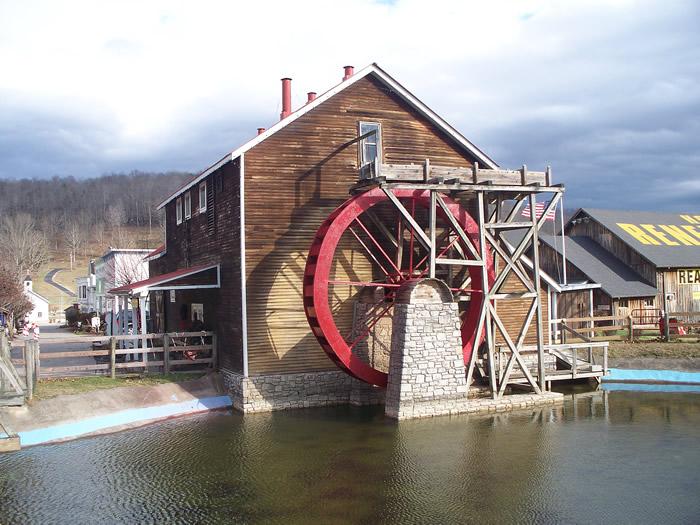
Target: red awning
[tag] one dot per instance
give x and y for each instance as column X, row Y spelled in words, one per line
column 203, row 276
column 155, row 253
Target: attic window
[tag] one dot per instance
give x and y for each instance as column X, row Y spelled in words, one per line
column 178, row 210
column 188, row 205
column 370, row 146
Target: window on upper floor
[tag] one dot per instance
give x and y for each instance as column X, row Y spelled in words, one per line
column 178, row 210
column 203, row 197
column 188, row 205
column 371, row 145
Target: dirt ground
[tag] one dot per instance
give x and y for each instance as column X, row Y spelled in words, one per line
column 657, row 349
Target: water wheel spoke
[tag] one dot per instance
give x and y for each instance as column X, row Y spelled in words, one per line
column 369, row 252
column 379, row 246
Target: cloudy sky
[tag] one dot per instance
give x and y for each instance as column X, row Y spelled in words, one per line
column 607, row 92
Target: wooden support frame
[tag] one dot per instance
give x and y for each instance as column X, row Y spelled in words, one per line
column 492, row 190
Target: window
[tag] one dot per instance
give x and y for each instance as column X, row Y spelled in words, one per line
column 370, row 146
column 178, row 210
column 203, row 197
column 188, row 205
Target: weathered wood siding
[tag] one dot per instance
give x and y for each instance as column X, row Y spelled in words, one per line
column 194, row 242
column 513, row 311
column 573, row 304
column 293, row 180
column 687, row 296
column 614, row 245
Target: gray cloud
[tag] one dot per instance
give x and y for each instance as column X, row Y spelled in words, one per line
column 608, row 94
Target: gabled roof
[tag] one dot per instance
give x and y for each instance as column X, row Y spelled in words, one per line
column 375, row 71
column 615, row 277
column 38, row 296
column 662, row 249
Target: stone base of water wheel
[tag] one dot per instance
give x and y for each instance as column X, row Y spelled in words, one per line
column 427, row 376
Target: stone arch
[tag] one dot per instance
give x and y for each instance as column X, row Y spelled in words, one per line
column 424, row 291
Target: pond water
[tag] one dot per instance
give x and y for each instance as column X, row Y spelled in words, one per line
column 618, row 457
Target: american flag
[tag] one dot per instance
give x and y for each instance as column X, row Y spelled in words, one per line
column 539, row 210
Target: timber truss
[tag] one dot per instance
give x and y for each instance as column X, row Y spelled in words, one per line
column 501, row 197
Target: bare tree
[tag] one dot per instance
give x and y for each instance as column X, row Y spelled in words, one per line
column 74, row 238
column 22, row 247
column 12, row 297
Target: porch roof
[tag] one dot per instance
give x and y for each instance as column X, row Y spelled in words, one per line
column 203, row 276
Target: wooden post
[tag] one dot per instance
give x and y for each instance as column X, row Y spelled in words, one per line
column 574, row 363
column 29, row 373
column 166, row 353
column 432, row 227
column 667, row 330
column 214, row 352
column 144, row 330
column 113, row 357
column 538, row 284
column 631, row 328
column 37, row 362
column 563, row 331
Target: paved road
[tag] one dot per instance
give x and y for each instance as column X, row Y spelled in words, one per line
column 48, row 278
column 56, row 339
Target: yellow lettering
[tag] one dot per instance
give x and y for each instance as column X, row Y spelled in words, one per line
column 692, row 230
column 689, row 219
column 679, row 234
column 638, row 233
column 651, row 229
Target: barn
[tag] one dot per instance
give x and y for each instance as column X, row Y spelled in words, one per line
column 645, row 261
column 245, row 241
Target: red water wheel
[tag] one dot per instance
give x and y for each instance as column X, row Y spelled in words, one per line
column 367, row 248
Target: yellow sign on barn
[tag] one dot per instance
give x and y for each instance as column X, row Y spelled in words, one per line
column 687, row 234
column 689, row 276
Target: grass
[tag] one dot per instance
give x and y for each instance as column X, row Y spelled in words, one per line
column 48, row 388
column 655, row 349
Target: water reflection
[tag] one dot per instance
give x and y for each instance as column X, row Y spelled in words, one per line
column 619, row 457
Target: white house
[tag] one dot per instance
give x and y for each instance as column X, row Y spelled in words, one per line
column 40, row 313
column 117, row 267
column 85, row 287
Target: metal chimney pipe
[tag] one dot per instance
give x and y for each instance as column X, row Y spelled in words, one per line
column 311, row 96
column 261, row 131
column 349, row 71
column 286, row 98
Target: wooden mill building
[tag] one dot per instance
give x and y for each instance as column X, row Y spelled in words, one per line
column 238, row 234
column 642, row 260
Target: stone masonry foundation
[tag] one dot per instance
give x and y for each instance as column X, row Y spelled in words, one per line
column 266, row 393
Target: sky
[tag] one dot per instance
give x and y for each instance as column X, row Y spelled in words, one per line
column 606, row 92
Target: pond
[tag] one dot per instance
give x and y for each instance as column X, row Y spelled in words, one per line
column 618, row 457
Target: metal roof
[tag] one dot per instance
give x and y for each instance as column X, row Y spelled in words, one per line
column 615, row 277
column 376, row 72
column 161, row 280
column 667, row 240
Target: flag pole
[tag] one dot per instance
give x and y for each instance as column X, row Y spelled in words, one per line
column 563, row 239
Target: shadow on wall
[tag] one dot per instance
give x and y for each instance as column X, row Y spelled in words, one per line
column 279, row 337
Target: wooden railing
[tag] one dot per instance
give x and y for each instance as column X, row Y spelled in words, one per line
column 177, row 352
column 621, row 328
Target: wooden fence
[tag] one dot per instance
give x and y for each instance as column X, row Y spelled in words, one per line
column 174, row 352
column 623, row 328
